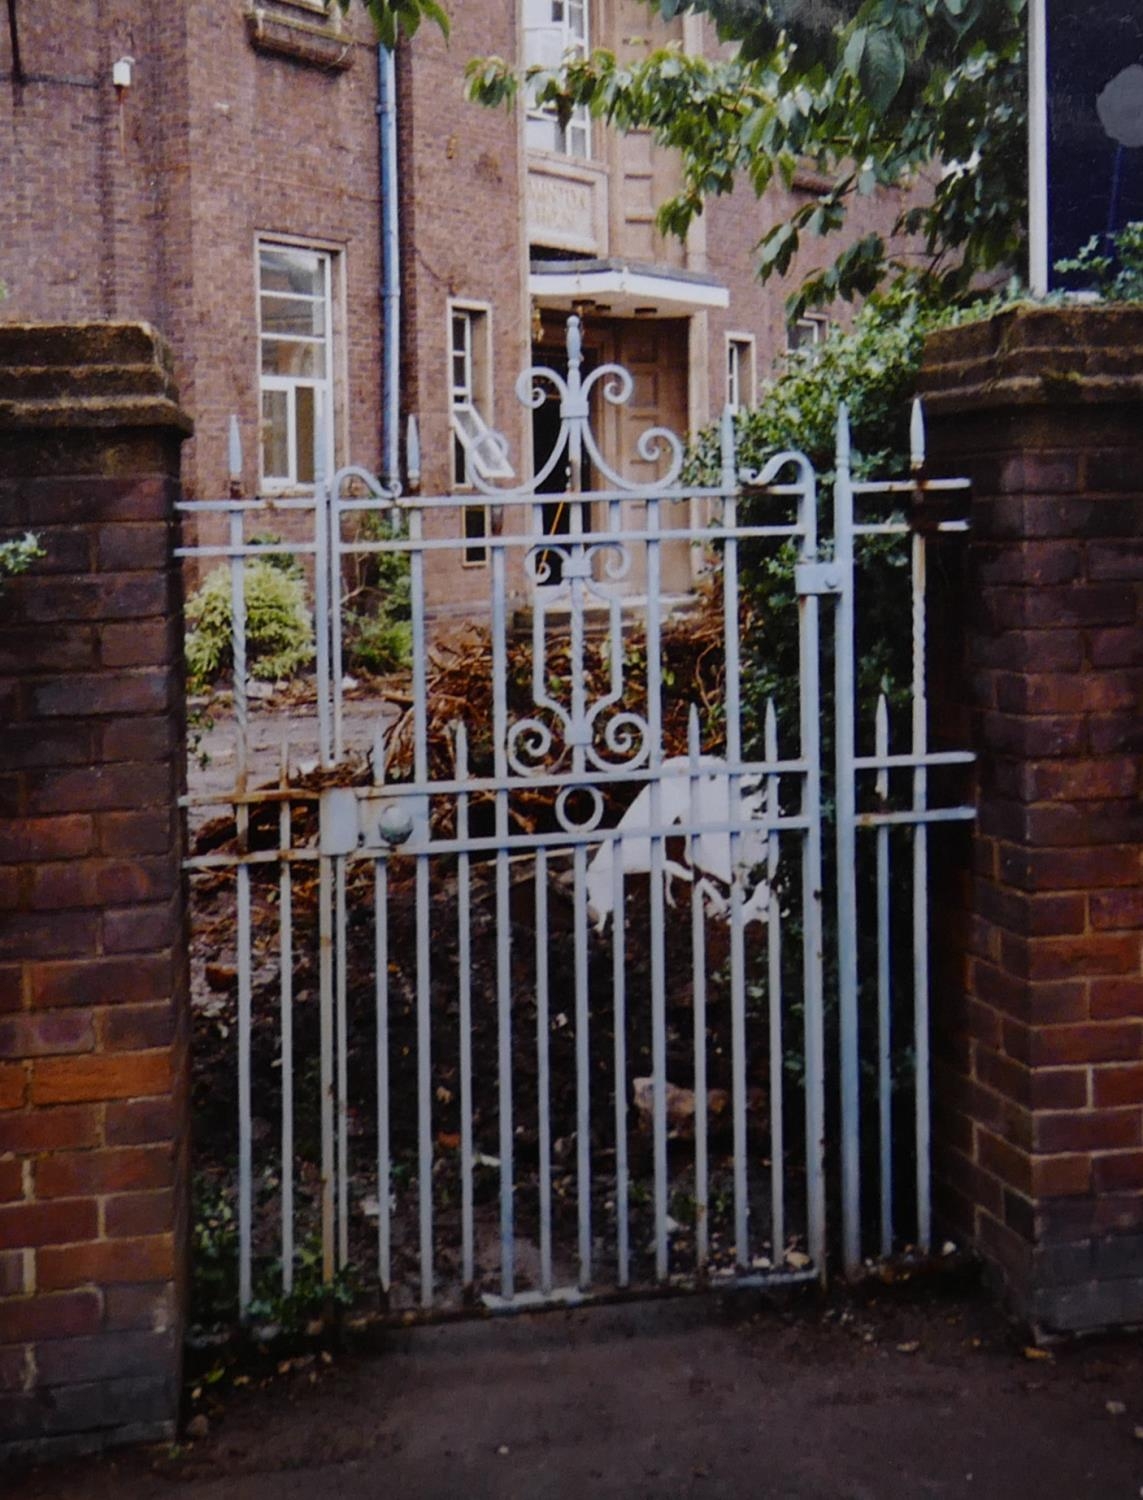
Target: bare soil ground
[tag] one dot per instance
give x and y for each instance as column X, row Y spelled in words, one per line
column 864, row 1396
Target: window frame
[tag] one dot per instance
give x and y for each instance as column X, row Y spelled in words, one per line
column 817, row 321
column 474, row 443
column 741, row 361
column 323, row 387
column 579, row 127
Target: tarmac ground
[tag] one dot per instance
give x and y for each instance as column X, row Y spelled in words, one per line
column 860, row 1396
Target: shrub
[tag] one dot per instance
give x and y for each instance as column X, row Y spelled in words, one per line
column 378, row 631
column 375, row 643
column 279, row 625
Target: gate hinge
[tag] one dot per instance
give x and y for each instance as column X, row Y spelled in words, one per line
column 818, row 578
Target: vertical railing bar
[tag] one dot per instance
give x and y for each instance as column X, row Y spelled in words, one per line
column 322, row 620
column 578, row 724
column 738, row 1032
column 424, row 1079
column 582, row 1065
column 341, row 980
column 773, row 810
column 619, row 993
column 326, row 1103
column 813, row 959
column 238, row 657
column 698, row 982
column 503, row 931
column 845, row 792
column 245, row 1132
column 242, row 832
column 734, row 809
column 921, row 902
column 619, row 963
column 381, row 1002
column 423, row 911
column 884, row 990
column 337, row 669
column 543, row 1070
column 464, row 979
column 656, row 872
column 286, row 1022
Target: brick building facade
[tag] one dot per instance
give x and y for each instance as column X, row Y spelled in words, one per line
column 229, row 188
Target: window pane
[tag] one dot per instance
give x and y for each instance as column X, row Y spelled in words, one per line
column 293, row 315
column 284, row 269
column 540, row 133
column 290, row 357
column 305, row 415
column 475, row 529
column 275, row 435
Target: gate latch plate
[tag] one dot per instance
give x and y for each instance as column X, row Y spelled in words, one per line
column 815, row 578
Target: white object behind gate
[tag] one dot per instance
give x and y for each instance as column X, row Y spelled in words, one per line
column 704, row 800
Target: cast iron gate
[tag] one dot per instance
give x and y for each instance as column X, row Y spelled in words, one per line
column 533, row 990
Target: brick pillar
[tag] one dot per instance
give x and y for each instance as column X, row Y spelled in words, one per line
column 93, row 961
column 1040, row 1094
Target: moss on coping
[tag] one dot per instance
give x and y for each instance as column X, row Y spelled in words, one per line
column 87, row 375
column 1032, row 355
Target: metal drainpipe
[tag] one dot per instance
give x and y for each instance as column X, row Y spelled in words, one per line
column 390, row 268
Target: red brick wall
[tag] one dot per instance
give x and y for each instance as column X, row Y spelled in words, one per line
column 1041, row 1096
column 92, row 929
column 149, row 207
column 462, row 237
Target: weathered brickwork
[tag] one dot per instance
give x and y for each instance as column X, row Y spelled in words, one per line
column 147, row 205
column 92, row 925
column 1041, row 1089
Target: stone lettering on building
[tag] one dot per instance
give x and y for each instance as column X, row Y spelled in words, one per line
column 562, row 211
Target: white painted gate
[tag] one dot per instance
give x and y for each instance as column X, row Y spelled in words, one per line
column 534, row 979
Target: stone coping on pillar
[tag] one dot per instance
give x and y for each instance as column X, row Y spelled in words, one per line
column 87, row 375
column 1032, row 355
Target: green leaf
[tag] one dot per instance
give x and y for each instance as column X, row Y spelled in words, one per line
column 394, row 18
column 881, row 71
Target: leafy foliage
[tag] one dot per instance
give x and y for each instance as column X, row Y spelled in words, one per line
column 873, row 368
column 17, row 555
column 869, row 95
column 214, row 1271
column 377, row 613
column 279, row 625
column 396, row 18
column 1115, row 269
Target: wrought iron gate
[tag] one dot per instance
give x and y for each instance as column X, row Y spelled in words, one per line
column 533, row 989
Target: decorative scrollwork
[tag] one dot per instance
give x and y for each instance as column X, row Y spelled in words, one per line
column 627, row 738
column 529, row 391
column 565, row 817
column 618, row 384
column 759, row 478
column 539, row 561
column 529, row 744
column 616, row 560
column 390, row 494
